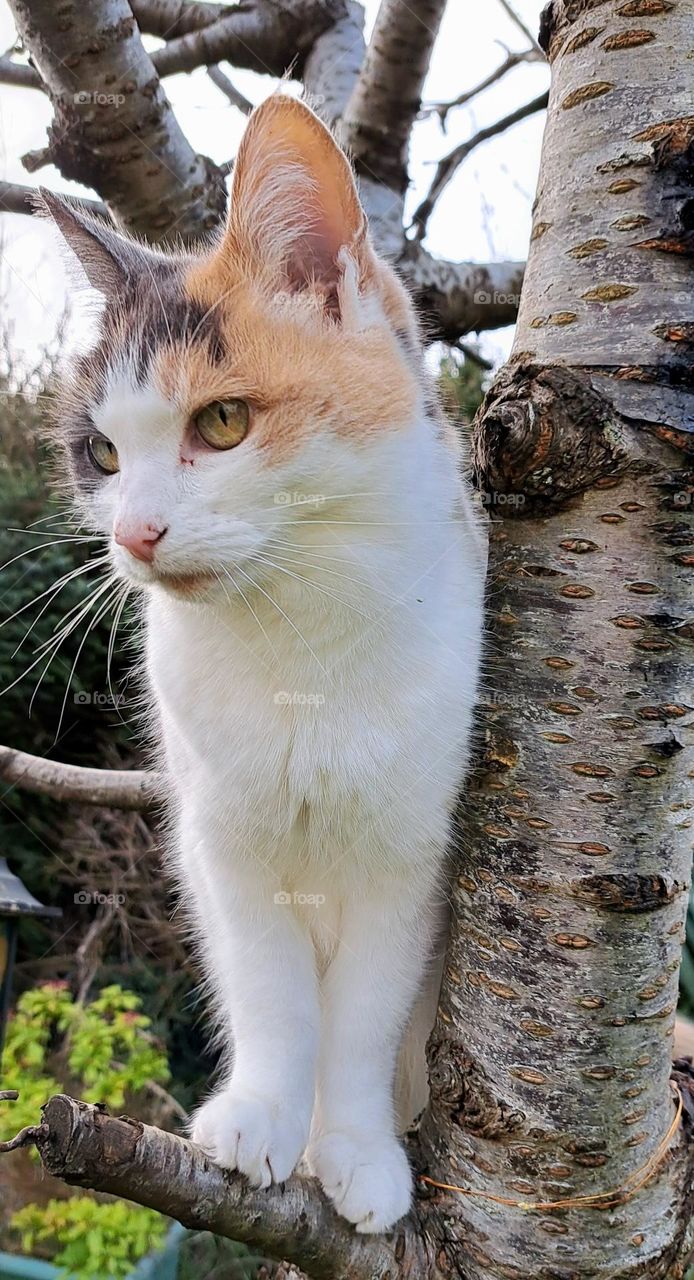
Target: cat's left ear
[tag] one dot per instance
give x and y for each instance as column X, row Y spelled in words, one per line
column 295, row 212
column 107, row 259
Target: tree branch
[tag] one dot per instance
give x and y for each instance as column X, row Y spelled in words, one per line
column 511, row 60
column 18, row 73
column 447, row 167
column 387, row 96
column 522, row 26
column 117, row 788
column 456, row 298
column 224, row 84
column 170, row 19
column 113, row 128
column 85, row 1147
column 259, row 35
column 332, row 66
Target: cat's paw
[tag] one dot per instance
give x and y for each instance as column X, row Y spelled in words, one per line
column 367, row 1178
column 241, row 1130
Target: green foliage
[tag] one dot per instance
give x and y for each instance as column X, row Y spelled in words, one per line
column 89, row 1239
column 463, row 383
column 104, row 1050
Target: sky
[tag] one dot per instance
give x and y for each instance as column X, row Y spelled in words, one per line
column 483, row 216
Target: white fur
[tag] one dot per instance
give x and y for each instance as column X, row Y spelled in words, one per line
column 313, row 773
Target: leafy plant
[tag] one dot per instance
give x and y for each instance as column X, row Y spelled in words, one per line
column 88, row 1239
column 104, row 1048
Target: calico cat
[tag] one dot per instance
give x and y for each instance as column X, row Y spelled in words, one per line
column 255, row 435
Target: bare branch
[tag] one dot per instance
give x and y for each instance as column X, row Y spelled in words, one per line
column 118, row 788
column 236, row 98
column 447, row 167
column 522, row 26
column 456, row 298
column 260, row 36
column 386, row 98
column 169, row 1174
column 511, row 60
column 170, row 19
column 18, row 73
column 113, row 127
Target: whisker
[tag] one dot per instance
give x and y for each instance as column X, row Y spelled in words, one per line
column 93, row 622
column 338, row 599
column 244, row 597
column 55, row 586
column 284, row 615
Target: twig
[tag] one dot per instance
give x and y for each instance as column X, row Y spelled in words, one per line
column 446, row 167
column 9, row 1095
column 236, row 98
column 15, row 197
column 518, row 21
column 511, row 60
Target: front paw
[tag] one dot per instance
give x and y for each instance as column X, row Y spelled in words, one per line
column 241, row 1130
column 367, row 1178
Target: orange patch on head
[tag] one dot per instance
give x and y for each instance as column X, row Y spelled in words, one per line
column 319, row 333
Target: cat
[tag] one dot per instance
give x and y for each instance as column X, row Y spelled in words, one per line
column 255, row 434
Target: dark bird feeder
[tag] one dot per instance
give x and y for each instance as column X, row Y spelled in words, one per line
column 15, row 902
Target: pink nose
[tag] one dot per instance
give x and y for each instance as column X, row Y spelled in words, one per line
column 140, row 540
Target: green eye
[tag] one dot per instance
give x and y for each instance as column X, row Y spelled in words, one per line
column 103, row 454
column 223, row 424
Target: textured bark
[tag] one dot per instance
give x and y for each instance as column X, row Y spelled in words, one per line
column 551, row 1056
column 113, row 128
column 262, row 36
column 86, row 1147
column 386, row 99
column 120, row 788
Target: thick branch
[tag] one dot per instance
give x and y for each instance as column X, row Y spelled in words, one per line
column 332, row 66
column 260, row 36
column 447, row 167
column 88, row 1148
column 113, row 128
column 118, row 788
column 170, row 19
column 456, row 298
column 387, row 96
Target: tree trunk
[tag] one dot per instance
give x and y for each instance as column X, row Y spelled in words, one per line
column 551, row 1058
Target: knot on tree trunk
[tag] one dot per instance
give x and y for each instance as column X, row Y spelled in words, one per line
column 547, row 437
column 460, row 1087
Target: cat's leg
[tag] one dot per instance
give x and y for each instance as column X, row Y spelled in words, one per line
column 262, row 967
column 368, row 993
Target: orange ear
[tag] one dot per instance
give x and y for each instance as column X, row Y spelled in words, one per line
column 294, row 206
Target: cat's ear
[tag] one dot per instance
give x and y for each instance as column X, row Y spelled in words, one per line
column 106, row 258
column 295, row 208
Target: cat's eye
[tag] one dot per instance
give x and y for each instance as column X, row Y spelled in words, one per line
column 103, row 454
column 223, row 424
